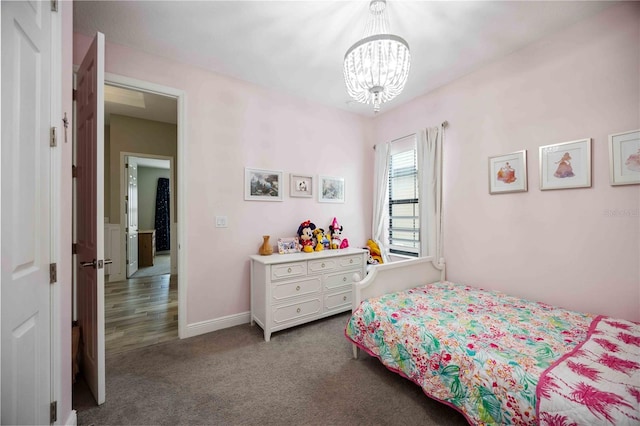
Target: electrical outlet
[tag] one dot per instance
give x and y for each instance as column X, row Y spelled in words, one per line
column 221, row 221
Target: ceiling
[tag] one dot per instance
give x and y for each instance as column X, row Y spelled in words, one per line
column 148, row 106
column 298, row 47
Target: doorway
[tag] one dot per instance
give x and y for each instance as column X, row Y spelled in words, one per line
column 165, row 286
column 141, row 306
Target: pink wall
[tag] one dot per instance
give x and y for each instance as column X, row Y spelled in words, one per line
column 232, row 125
column 565, row 246
column 63, row 393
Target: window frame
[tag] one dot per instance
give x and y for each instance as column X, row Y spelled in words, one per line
column 402, row 145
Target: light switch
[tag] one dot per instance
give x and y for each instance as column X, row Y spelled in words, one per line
column 221, row 221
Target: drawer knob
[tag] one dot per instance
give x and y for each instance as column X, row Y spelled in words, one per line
column 297, row 288
column 344, row 298
column 322, row 264
column 298, row 310
column 344, row 279
column 350, row 260
column 289, row 270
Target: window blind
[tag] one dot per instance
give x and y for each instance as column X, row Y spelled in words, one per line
column 404, row 225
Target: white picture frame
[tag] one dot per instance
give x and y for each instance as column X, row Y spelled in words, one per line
column 300, row 186
column 331, row 189
column 624, row 158
column 262, row 185
column 508, row 173
column 288, row 245
column 565, row 165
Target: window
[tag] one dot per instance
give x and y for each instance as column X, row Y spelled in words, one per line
column 404, row 225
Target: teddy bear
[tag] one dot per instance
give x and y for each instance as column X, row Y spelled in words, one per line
column 305, row 234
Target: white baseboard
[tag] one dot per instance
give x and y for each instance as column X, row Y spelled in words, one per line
column 72, row 420
column 216, row 324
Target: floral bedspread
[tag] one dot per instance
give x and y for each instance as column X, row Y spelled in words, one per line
column 599, row 382
column 481, row 352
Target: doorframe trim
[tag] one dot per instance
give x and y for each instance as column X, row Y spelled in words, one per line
column 180, row 164
column 58, row 235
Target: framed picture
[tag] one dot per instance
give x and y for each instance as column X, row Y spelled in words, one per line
column 508, row 173
column 288, row 245
column 566, row 165
column 262, row 185
column 624, row 158
column 331, row 189
column 300, row 186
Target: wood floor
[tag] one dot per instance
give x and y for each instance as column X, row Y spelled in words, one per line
column 140, row 312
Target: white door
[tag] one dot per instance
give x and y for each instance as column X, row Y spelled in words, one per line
column 26, row 207
column 132, row 215
column 90, row 214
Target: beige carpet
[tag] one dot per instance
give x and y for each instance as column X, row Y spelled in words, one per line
column 303, row 376
column 161, row 266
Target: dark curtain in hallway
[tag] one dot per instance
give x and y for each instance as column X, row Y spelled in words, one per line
column 163, row 236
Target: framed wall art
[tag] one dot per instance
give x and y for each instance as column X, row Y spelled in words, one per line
column 508, row 173
column 624, row 158
column 565, row 165
column 300, row 186
column 262, row 185
column 331, row 189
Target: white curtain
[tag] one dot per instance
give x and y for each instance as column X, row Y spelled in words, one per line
column 381, row 198
column 429, row 150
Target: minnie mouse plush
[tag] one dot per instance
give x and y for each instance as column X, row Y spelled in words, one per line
column 337, row 242
column 305, row 234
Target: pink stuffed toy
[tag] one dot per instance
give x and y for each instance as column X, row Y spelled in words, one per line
column 337, row 242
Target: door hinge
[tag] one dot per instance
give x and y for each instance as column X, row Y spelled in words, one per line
column 126, row 198
column 54, row 138
column 74, row 171
column 74, row 93
column 126, row 165
column 54, row 5
column 53, row 273
column 53, row 412
column 74, row 248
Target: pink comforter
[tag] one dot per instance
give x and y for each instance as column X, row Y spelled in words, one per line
column 598, row 383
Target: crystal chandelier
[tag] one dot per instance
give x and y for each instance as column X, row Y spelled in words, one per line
column 376, row 68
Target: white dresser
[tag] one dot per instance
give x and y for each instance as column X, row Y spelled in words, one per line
column 291, row 289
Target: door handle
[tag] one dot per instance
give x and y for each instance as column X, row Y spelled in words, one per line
column 96, row 264
column 87, row 264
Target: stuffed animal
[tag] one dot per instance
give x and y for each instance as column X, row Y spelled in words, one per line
column 337, row 242
column 318, row 235
column 305, row 234
column 374, row 251
column 370, row 259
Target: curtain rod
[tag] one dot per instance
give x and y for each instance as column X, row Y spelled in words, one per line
column 444, row 124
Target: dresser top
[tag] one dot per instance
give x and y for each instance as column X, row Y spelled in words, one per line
column 295, row 257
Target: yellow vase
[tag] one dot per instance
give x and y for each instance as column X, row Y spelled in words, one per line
column 266, row 249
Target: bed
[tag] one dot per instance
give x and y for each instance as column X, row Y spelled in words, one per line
column 495, row 358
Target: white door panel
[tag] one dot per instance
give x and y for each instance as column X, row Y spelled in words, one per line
column 132, row 215
column 26, row 208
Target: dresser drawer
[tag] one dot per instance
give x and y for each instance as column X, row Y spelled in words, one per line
column 335, row 301
column 295, row 311
column 350, row 261
column 339, row 279
column 322, row 265
column 287, row 290
column 288, row 270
